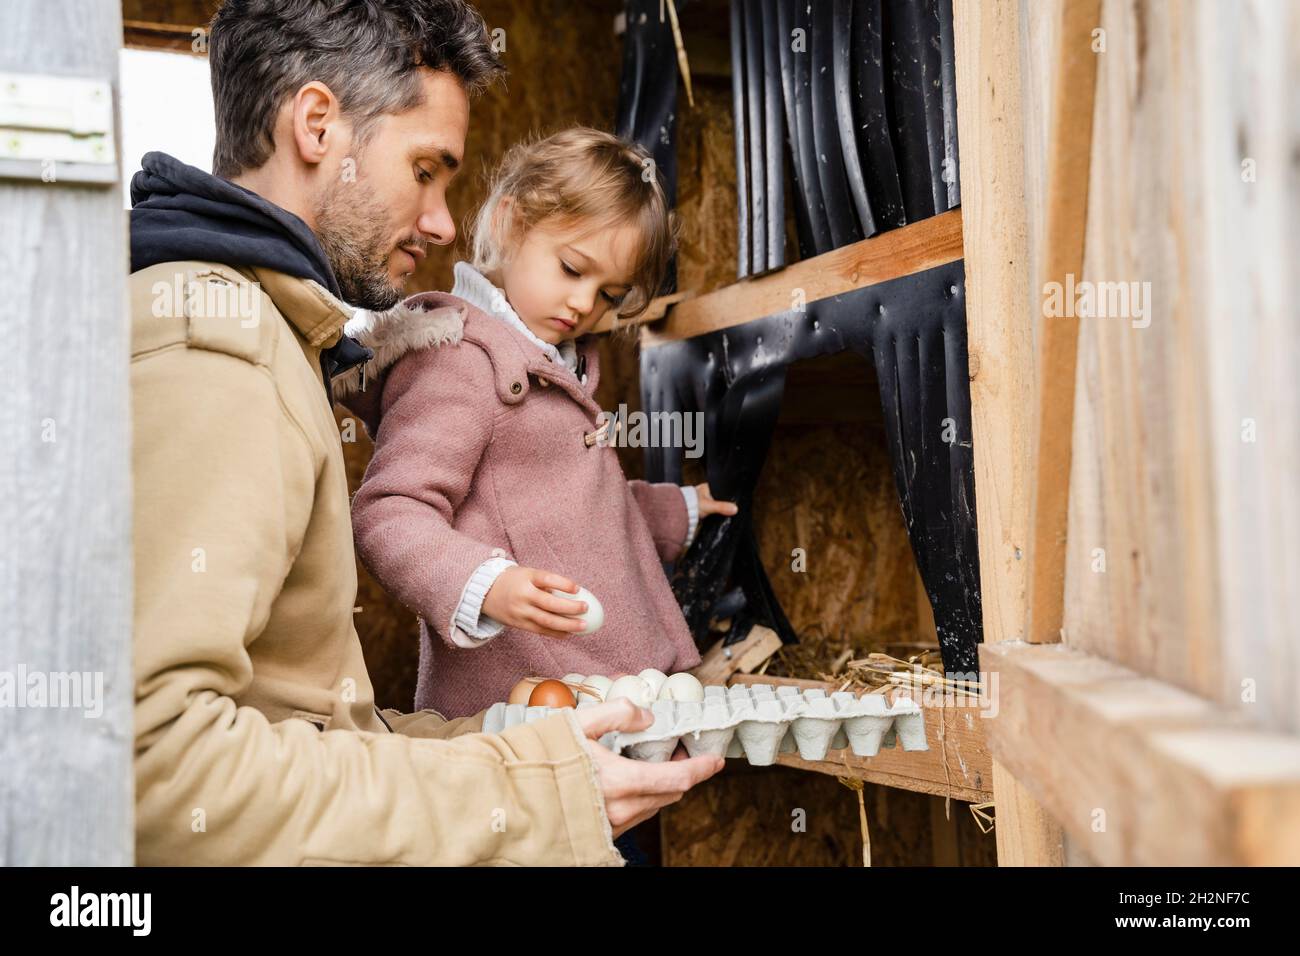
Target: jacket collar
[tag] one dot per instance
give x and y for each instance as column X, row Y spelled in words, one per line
column 318, row 316
column 476, row 289
column 437, row 318
column 422, row 320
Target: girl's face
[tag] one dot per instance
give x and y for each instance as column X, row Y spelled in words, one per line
column 562, row 281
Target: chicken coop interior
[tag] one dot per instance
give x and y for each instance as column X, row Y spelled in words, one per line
column 870, row 192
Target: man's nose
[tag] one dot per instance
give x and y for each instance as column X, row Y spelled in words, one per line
column 436, row 223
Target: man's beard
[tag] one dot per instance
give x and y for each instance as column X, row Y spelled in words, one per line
column 352, row 228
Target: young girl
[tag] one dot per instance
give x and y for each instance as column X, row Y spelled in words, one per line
column 491, row 482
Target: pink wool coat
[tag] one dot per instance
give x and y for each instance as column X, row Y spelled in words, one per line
column 480, row 452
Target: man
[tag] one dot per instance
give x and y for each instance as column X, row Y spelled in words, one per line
column 339, row 127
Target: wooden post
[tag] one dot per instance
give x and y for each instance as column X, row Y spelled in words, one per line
column 65, row 495
column 1069, row 154
column 999, row 324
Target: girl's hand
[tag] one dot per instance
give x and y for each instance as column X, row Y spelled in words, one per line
column 710, row 505
column 518, row 598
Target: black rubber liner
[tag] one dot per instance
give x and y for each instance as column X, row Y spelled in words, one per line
column 914, row 331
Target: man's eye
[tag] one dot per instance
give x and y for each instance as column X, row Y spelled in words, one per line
column 569, row 270
column 423, row 175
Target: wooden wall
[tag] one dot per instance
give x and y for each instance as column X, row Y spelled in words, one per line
column 1181, row 559
column 1197, row 517
column 66, row 787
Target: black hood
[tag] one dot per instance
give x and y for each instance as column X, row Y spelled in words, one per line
column 180, row 212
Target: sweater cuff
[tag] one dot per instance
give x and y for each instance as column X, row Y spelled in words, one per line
column 692, row 511
column 472, row 627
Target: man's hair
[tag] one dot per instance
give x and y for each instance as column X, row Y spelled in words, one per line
column 368, row 52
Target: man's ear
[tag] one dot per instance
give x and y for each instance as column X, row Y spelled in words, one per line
column 317, row 122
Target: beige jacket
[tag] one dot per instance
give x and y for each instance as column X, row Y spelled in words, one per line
column 257, row 738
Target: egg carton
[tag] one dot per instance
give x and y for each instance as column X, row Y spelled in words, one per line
column 756, row 722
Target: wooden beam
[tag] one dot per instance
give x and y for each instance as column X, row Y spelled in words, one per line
column 720, row 663
column 957, row 765
column 999, row 325
column 1141, row 773
column 1068, row 161
column 172, row 37
column 65, row 485
column 900, row 252
column 657, row 309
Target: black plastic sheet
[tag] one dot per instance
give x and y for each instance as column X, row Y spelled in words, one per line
column 913, row 329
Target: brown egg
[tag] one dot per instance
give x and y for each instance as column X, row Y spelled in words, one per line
column 520, row 693
column 551, row 693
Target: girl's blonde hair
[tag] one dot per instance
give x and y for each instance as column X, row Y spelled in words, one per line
column 580, row 176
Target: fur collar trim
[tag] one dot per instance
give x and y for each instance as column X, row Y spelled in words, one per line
column 419, row 322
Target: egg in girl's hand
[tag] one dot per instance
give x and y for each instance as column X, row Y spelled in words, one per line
column 655, row 679
column 520, row 693
column 597, row 683
column 595, row 615
column 633, row 688
column 682, row 686
column 551, row 693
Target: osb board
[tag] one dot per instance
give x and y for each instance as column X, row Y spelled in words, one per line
column 564, row 62
column 706, row 190
column 828, row 488
column 1196, row 523
column 746, row 816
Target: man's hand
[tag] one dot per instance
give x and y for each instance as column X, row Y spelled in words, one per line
column 635, row 790
column 518, row 598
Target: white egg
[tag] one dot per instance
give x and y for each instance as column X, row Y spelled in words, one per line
column 633, row 688
column 572, row 678
column 682, row 686
column 595, row 616
column 597, row 683
column 655, row 679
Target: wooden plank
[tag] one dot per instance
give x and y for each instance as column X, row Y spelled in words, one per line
column 1138, row 772
column 65, row 489
column 900, row 252
column 999, row 324
column 957, row 765
column 166, row 24
column 655, row 311
column 1184, row 535
column 1069, row 155
column 175, row 38
column 720, row 662
column 1249, row 324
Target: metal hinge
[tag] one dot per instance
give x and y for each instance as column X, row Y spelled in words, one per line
column 57, row 129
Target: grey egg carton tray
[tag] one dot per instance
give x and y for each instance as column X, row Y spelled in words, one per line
column 756, row 722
